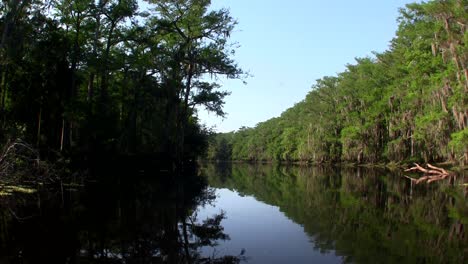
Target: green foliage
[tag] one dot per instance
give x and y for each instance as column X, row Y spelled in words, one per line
column 100, row 75
column 459, row 144
column 220, row 149
column 402, row 105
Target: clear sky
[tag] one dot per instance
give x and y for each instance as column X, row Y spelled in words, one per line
column 287, row 45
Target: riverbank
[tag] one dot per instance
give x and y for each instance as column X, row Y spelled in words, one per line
column 392, row 165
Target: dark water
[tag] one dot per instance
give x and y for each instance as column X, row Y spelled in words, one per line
column 325, row 215
column 238, row 213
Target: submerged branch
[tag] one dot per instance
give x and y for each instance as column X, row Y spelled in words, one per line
column 431, row 173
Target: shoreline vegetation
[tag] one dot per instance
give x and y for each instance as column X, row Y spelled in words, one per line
column 83, row 81
column 102, row 151
column 406, row 105
column 87, row 79
column 388, row 165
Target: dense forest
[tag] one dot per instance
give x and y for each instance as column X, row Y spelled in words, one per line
column 82, row 76
column 408, row 103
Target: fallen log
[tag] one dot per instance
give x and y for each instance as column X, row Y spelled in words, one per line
column 431, row 173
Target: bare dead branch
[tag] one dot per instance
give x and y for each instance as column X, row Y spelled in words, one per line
column 437, row 168
column 20, row 161
column 430, row 175
column 417, row 168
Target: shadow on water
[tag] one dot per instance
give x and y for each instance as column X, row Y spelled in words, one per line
column 126, row 217
column 363, row 215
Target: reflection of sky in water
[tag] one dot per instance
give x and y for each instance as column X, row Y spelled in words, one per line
column 266, row 234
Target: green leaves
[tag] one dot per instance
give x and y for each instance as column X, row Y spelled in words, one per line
column 106, row 73
column 404, row 104
column 459, row 144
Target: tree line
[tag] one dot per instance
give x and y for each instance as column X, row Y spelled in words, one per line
column 88, row 75
column 408, row 103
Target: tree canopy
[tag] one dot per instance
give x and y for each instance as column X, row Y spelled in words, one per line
column 106, row 75
column 405, row 104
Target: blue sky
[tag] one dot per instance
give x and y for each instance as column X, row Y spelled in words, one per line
column 287, row 45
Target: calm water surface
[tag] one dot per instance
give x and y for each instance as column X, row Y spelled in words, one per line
column 236, row 214
column 263, row 232
column 329, row 215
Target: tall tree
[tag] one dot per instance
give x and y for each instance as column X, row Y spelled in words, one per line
column 196, row 40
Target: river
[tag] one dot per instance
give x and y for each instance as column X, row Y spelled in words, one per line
column 330, row 215
column 238, row 213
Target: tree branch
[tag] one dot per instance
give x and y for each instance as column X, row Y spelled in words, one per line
column 430, row 175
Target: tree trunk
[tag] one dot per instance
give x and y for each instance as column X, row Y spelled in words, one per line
column 66, row 134
column 95, row 47
column 104, row 77
column 39, row 119
column 90, row 88
column 62, row 135
column 184, row 115
column 3, row 90
column 133, row 123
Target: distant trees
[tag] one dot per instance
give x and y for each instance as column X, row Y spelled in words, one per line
column 86, row 75
column 408, row 103
column 220, row 148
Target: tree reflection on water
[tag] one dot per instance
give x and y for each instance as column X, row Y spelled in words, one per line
column 120, row 219
column 363, row 215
